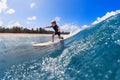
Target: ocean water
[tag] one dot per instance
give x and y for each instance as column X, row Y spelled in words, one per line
column 92, row 54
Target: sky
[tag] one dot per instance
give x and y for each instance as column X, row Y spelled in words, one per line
column 40, row 13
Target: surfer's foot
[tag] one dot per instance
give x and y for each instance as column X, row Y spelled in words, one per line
column 52, row 41
column 62, row 38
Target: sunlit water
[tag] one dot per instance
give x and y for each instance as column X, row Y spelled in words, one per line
column 92, row 54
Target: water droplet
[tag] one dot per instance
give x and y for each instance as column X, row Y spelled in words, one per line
column 106, row 43
column 78, row 71
column 106, row 76
column 110, row 71
column 96, row 65
column 86, row 75
column 118, row 60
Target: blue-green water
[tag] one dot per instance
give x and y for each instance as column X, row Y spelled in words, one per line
column 92, row 54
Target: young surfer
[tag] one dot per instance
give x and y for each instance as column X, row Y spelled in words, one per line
column 56, row 29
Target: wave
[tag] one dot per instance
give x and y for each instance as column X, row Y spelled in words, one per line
column 92, row 54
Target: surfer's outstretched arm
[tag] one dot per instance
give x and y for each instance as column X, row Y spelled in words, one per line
column 48, row 27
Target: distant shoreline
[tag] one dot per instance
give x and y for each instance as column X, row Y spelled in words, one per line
column 26, row 34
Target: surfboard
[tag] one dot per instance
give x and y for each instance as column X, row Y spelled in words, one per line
column 46, row 43
column 56, row 41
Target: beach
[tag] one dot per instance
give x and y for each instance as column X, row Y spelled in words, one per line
column 26, row 34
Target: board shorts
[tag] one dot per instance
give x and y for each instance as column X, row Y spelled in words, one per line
column 57, row 33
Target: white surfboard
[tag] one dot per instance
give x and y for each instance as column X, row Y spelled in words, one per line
column 56, row 41
column 46, row 43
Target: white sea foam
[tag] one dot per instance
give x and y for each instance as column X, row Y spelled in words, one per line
column 117, row 42
column 107, row 15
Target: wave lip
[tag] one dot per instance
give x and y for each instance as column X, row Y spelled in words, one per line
column 108, row 14
column 92, row 54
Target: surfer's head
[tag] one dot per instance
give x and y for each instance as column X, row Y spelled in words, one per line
column 53, row 23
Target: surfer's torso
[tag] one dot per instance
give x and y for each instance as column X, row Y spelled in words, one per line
column 55, row 28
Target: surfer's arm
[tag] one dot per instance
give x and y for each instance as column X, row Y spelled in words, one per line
column 48, row 27
column 58, row 29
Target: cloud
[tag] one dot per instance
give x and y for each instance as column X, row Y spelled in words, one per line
column 28, row 22
column 10, row 11
column 70, row 28
column 84, row 27
column 16, row 24
column 32, row 5
column 73, row 29
column 1, row 23
column 3, row 5
column 32, row 18
column 57, row 19
column 108, row 14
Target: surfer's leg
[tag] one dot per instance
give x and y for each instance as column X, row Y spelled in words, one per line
column 53, row 37
column 58, row 33
column 59, row 36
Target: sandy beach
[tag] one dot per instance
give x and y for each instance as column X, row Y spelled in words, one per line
column 23, row 34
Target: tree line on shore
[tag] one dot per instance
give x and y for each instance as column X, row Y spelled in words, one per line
column 17, row 29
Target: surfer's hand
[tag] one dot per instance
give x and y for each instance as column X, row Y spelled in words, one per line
column 47, row 27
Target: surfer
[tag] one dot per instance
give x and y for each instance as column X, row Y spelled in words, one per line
column 56, row 29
